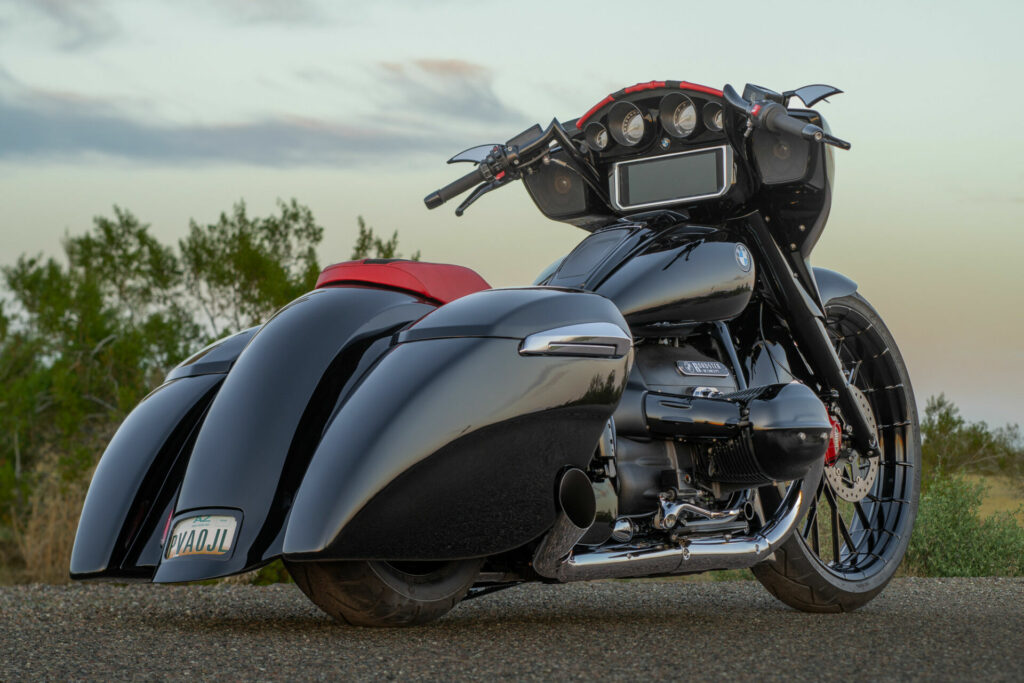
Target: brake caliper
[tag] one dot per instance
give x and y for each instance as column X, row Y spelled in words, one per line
column 835, row 442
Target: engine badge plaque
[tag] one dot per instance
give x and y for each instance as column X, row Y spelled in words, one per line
column 206, row 535
column 702, row 368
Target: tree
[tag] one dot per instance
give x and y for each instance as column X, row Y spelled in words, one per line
column 369, row 245
column 82, row 341
column 84, row 338
column 953, row 444
column 240, row 270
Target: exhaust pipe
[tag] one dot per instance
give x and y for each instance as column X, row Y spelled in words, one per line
column 697, row 555
column 577, row 509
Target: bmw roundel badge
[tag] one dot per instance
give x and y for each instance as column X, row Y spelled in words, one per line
column 743, row 258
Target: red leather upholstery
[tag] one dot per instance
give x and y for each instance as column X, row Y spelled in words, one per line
column 441, row 282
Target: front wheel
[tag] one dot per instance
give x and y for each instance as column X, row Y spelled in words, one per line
column 858, row 525
column 371, row 593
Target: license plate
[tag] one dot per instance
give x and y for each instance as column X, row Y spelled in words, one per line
column 209, row 535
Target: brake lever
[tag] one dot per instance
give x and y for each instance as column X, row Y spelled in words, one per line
column 477, row 193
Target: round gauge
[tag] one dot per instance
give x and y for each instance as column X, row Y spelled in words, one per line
column 627, row 124
column 714, row 116
column 633, row 127
column 597, row 136
column 678, row 115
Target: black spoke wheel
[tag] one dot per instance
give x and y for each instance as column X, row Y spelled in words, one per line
column 857, row 527
column 374, row 593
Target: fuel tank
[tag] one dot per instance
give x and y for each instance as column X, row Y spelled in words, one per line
column 687, row 274
column 680, row 274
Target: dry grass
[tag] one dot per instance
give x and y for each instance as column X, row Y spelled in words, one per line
column 1001, row 495
column 44, row 537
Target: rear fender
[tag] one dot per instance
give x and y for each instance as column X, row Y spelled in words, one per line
column 133, row 489
column 261, row 429
column 451, row 447
column 130, row 487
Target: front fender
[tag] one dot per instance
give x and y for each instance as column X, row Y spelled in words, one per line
column 832, row 285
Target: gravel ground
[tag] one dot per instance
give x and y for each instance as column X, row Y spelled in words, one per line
column 917, row 628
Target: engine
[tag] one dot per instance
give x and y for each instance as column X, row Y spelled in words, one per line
column 689, row 442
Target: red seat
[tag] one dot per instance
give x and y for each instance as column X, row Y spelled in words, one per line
column 441, row 282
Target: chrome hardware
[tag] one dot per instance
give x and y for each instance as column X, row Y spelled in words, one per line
column 622, row 530
column 697, row 555
column 669, row 513
column 603, row 340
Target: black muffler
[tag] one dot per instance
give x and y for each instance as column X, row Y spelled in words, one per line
column 577, row 509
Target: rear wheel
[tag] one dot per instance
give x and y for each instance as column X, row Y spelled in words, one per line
column 858, row 525
column 371, row 593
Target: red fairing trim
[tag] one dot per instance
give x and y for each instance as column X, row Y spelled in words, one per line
column 683, row 85
column 592, row 110
column 650, row 85
column 441, row 282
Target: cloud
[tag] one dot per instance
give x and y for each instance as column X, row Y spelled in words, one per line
column 81, row 23
column 435, row 106
column 39, row 124
column 270, row 11
column 447, row 87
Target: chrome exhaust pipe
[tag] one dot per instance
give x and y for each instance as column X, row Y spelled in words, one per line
column 577, row 509
column 697, row 555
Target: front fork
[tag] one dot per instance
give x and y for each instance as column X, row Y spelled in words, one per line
column 806, row 319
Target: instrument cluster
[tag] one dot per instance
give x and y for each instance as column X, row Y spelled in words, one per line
column 631, row 123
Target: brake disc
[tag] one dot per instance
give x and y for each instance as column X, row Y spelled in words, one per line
column 853, row 475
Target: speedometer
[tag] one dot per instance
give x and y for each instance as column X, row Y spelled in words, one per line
column 633, row 127
column 678, row 115
column 627, row 124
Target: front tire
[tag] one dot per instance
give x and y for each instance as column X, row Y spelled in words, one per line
column 855, row 533
column 372, row 593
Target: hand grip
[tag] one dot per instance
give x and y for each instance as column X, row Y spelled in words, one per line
column 777, row 120
column 455, row 188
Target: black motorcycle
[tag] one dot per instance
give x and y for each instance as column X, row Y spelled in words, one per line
column 683, row 392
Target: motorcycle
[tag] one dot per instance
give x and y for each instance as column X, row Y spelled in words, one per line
column 683, row 392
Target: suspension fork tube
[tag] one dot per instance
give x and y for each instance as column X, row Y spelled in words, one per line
column 807, row 322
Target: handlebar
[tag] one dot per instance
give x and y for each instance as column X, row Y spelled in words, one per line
column 776, row 118
column 455, row 188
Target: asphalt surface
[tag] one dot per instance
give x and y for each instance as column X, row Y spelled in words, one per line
column 935, row 629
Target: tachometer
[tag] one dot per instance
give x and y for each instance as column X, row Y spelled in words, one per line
column 678, row 115
column 597, row 136
column 627, row 124
column 714, row 117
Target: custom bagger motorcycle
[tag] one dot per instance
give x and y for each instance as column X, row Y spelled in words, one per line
column 682, row 392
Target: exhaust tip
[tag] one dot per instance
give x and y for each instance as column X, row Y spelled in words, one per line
column 576, row 498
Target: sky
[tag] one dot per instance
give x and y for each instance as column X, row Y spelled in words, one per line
column 176, row 110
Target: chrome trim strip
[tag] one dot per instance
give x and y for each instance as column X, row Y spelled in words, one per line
column 602, row 340
column 728, row 178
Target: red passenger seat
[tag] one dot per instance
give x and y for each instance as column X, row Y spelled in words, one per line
column 441, row 282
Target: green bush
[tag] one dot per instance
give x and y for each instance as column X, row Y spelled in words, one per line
column 952, row 539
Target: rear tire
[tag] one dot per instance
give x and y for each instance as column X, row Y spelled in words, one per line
column 372, row 593
column 844, row 552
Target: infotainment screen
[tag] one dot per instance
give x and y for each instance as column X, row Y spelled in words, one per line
column 671, row 178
